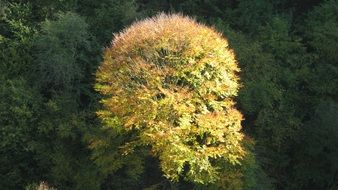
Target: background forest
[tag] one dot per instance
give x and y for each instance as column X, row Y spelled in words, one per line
column 287, row 51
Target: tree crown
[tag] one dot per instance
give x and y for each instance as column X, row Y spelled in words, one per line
column 170, row 82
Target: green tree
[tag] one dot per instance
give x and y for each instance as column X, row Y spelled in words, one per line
column 107, row 16
column 321, row 36
column 19, row 109
column 16, row 36
column 317, row 155
column 315, row 163
column 60, row 50
column 275, row 70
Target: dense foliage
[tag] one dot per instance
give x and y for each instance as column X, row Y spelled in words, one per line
column 169, row 83
column 49, row 130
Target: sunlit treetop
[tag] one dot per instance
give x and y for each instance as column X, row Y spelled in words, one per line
column 168, row 83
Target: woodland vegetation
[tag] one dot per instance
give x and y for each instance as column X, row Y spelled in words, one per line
column 60, row 125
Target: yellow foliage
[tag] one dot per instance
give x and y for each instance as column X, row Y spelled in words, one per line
column 172, row 81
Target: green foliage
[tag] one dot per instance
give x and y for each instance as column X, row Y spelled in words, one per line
column 317, row 154
column 252, row 15
column 315, row 163
column 119, row 171
column 275, row 70
column 108, row 16
column 321, row 30
column 60, row 48
column 322, row 37
column 18, row 112
column 64, row 161
column 16, row 40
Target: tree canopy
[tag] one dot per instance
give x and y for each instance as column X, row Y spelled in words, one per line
column 169, row 82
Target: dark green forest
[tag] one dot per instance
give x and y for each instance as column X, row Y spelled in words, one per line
column 50, row 132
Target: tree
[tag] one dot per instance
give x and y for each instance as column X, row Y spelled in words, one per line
column 107, row 16
column 321, row 35
column 317, row 158
column 18, row 118
column 60, row 49
column 168, row 83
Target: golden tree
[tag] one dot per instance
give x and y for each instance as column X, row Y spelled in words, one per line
column 168, row 83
